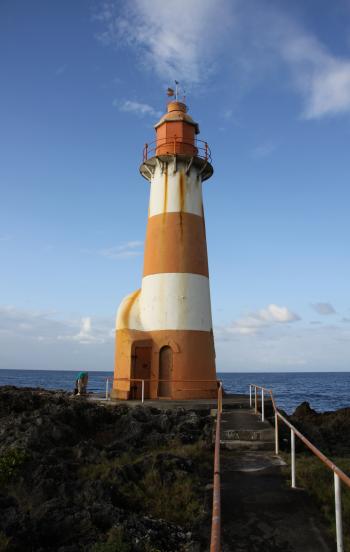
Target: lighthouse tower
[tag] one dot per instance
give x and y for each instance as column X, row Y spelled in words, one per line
column 164, row 332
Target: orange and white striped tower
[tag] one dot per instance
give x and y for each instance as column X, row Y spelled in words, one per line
column 164, row 330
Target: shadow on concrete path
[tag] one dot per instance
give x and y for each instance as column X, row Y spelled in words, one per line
column 260, row 513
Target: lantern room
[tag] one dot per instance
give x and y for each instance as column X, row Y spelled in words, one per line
column 176, row 131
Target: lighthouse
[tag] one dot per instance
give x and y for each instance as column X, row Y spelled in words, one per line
column 164, row 334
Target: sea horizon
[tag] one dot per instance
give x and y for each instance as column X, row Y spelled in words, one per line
column 322, row 390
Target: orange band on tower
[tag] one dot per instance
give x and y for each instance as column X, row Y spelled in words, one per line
column 175, row 242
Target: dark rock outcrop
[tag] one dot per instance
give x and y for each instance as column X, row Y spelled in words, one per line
column 73, row 472
column 328, row 431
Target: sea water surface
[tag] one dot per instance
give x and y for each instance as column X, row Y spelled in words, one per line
column 323, row 390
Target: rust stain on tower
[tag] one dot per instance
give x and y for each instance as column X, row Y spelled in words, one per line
column 164, row 331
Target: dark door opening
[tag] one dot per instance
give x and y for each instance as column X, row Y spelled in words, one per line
column 165, row 372
column 141, row 371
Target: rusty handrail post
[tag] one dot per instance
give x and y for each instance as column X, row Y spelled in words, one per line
column 215, row 541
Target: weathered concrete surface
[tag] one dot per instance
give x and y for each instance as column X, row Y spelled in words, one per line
column 242, row 429
column 230, row 402
column 260, row 513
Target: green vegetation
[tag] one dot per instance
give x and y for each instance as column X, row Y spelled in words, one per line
column 4, row 542
column 170, row 494
column 10, row 462
column 115, row 542
column 175, row 501
column 313, row 476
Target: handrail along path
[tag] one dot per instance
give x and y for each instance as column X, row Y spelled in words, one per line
column 339, row 475
column 215, row 539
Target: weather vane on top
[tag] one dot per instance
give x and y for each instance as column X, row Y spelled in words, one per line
column 171, row 92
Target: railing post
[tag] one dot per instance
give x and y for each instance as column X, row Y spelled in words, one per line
column 338, row 513
column 276, row 434
column 262, row 405
column 143, row 391
column 215, row 545
column 107, row 388
column 255, row 399
column 145, row 154
column 206, row 151
column 250, row 396
column 292, row 451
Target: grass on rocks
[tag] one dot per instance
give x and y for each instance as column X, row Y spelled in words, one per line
column 10, row 463
column 318, row 480
column 173, row 496
column 116, row 542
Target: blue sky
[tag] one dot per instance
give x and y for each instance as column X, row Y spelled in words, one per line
column 82, row 84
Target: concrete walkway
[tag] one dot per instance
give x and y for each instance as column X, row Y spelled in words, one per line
column 260, row 513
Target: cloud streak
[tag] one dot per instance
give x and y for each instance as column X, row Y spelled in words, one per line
column 123, row 251
column 41, row 326
column 323, row 308
column 256, row 321
column 137, row 108
column 251, row 38
column 172, row 45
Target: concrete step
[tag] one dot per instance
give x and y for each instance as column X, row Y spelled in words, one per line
column 247, row 434
column 244, row 430
column 250, row 461
column 247, row 445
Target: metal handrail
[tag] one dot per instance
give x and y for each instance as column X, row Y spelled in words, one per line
column 157, row 380
column 215, row 540
column 339, row 475
column 200, row 148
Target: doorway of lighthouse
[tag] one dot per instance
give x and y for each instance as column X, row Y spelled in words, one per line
column 165, row 372
column 141, row 371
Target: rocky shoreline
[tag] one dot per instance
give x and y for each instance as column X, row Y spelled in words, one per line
column 328, row 431
column 76, row 475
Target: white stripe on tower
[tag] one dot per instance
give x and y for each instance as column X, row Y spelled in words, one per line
column 174, row 192
column 168, row 302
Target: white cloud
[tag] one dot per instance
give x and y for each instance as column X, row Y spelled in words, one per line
column 322, row 78
column 124, row 251
column 286, row 347
column 176, row 41
column 49, row 327
column 46, row 340
column 243, row 39
column 137, row 108
column 5, row 237
column 256, row 321
column 87, row 334
column 323, row 308
column 60, row 70
column 119, row 252
column 263, row 150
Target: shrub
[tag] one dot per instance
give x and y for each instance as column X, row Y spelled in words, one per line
column 10, row 462
column 313, row 476
column 4, row 542
column 115, row 542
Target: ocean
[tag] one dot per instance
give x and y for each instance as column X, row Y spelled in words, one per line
column 323, row 390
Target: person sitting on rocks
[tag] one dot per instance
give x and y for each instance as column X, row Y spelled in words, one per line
column 81, row 383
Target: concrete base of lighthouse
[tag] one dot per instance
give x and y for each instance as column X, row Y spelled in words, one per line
column 157, row 356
